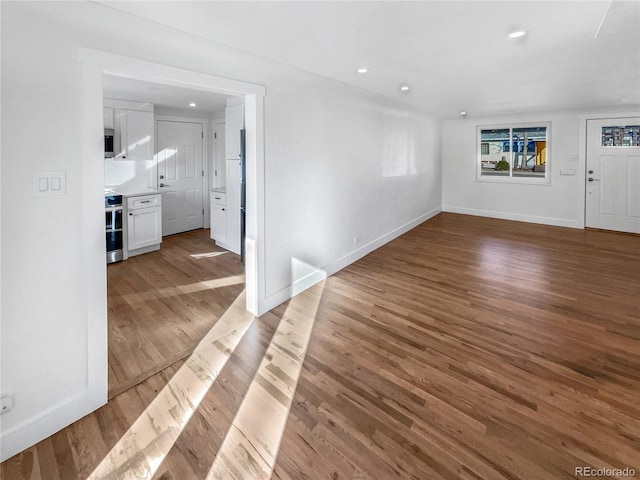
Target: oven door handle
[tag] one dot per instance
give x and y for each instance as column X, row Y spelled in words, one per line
column 118, row 208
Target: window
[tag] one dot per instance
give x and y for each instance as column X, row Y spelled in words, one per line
column 628, row 136
column 514, row 152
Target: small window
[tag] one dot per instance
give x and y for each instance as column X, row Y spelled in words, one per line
column 514, row 152
column 628, row 136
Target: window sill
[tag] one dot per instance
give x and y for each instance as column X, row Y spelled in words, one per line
column 514, row 180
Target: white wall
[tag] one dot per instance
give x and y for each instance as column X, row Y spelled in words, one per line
column 339, row 162
column 559, row 203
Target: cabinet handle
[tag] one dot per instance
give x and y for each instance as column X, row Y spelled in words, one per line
column 130, row 214
column 217, row 198
column 124, row 156
column 145, row 201
column 222, row 210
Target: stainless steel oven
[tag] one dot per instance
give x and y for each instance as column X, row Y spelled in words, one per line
column 113, row 226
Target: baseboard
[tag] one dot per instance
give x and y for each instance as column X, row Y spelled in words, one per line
column 232, row 248
column 140, row 251
column 557, row 222
column 319, row 274
column 366, row 249
column 46, row 423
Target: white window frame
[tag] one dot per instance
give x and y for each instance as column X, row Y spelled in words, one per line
column 546, row 180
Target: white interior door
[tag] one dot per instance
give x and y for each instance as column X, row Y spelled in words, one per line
column 613, row 174
column 180, row 175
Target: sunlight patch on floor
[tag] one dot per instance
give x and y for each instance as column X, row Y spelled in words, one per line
column 251, row 445
column 133, row 298
column 141, row 450
column 207, row 255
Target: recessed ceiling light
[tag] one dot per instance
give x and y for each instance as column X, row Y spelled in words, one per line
column 517, row 34
column 192, row 104
column 363, row 70
column 404, row 88
column 463, row 113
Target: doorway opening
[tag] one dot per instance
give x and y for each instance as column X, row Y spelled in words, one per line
column 95, row 66
column 162, row 301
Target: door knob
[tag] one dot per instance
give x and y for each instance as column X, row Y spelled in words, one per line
column 592, row 179
column 164, row 185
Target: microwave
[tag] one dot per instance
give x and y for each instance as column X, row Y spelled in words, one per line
column 108, row 143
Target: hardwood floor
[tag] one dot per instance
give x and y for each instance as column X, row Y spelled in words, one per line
column 161, row 304
column 468, row 348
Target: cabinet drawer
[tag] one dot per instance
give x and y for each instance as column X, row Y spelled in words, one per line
column 219, row 198
column 143, row 201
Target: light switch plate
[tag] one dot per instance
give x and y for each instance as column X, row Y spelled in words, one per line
column 49, row 184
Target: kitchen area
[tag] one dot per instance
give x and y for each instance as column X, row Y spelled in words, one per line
column 174, row 217
column 148, row 167
column 133, row 210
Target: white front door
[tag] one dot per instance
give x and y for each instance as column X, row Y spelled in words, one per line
column 180, row 175
column 613, row 174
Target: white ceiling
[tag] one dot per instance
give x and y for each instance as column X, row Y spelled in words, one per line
column 455, row 55
column 161, row 95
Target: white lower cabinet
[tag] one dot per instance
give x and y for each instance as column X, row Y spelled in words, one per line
column 222, row 219
column 144, row 224
column 219, row 222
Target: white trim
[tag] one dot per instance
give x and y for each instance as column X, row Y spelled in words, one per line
column 558, row 222
column 320, row 273
column 129, row 67
column 46, row 423
column 581, row 171
column 177, row 118
column 514, row 180
column 127, row 105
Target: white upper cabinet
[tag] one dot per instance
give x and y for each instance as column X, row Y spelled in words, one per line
column 234, row 122
column 107, row 117
column 136, row 135
column 133, row 127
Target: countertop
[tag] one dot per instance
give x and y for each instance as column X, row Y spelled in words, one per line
column 219, row 190
column 133, row 192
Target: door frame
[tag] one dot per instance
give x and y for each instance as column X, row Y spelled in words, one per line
column 205, row 155
column 93, row 64
column 582, row 157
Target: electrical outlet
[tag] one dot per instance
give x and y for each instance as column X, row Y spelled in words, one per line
column 6, row 404
column 356, row 239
